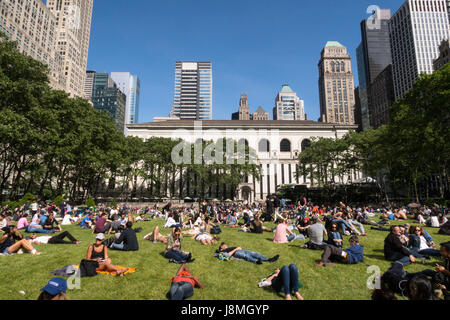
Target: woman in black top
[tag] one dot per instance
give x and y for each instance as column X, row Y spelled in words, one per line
column 9, row 245
column 99, row 252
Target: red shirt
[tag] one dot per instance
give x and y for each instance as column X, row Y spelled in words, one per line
column 181, row 278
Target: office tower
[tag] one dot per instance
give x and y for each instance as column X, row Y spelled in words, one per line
column 73, row 28
column 244, row 109
column 357, row 110
column 373, row 56
column 130, row 85
column 288, row 106
column 260, row 114
column 32, row 25
column 107, row 96
column 193, row 91
column 381, row 98
column 336, row 86
column 444, row 55
column 89, row 84
column 416, row 31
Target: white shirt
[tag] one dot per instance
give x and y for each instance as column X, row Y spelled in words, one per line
column 42, row 239
column 170, row 222
column 34, row 206
column 423, row 243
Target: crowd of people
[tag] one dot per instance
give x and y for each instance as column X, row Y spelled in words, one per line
column 324, row 228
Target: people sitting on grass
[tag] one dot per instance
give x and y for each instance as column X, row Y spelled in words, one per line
column 281, row 232
column 100, row 224
column 173, row 250
column 23, row 224
column 58, row 239
column 99, row 252
column 86, row 222
column 12, row 241
column 55, row 289
column 395, row 250
column 247, row 255
column 127, row 240
column 351, row 255
column 183, row 284
column 232, row 220
column 36, row 227
column 284, row 280
column 334, row 236
column 3, row 221
column 114, row 225
column 51, row 224
column 441, row 274
column 419, row 245
column 316, row 233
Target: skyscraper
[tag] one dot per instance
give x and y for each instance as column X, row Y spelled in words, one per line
column 130, row 85
column 193, row 91
column 336, row 86
column 373, row 56
column 89, row 84
column 107, row 96
column 33, row 26
column 73, row 28
column 416, row 31
column 288, row 106
column 244, row 109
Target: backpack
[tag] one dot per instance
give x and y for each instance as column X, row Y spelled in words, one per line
column 88, row 268
column 445, row 229
column 216, row 230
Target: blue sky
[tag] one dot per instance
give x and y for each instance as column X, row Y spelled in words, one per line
column 255, row 46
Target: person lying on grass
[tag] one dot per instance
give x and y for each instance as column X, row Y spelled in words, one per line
column 183, row 284
column 351, row 255
column 246, row 255
column 58, row 239
column 99, row 252
column 284, row 280
column 156, row 236
column 8, row 244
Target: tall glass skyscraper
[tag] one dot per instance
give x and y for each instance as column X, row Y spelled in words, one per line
column 130, row 85
column 193, row 91
column 373, row 56
column 416, row 31
column 107, row 96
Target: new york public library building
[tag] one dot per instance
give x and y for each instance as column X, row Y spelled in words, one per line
column 277, row 145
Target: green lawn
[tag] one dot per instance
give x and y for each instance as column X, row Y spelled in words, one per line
column 233, row 280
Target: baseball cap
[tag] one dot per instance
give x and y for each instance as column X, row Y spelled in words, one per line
column 55, row 286
column 100, row 236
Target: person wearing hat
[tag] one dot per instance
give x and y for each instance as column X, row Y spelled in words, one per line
column 54, row 290
column 99, row 252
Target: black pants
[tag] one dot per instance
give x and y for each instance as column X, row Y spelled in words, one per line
column 59, row 239
column 335, row 253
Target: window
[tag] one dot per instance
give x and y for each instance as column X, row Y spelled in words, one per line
column 264, row 145
column 285, row 145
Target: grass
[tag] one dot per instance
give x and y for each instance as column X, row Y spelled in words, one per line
column 233, row 280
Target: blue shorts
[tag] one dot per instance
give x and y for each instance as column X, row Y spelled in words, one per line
column 6, row 250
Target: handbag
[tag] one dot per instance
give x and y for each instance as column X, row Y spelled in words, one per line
column 88, row 268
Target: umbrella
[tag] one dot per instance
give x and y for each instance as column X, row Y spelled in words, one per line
column 414, row 205
column 187, row 198
column 228, row 200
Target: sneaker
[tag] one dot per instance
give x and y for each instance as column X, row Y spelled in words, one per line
column 148, row 236
column 347, row 233
column 20, row 251
column 259, row 261
column 274, row 258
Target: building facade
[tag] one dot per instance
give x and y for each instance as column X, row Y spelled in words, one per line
column 33, row 26
column 260, row 115
column 73, row 29
column 277, row 145
column 444, row 55
column 193, row 91
column 288, row 106
column 373, row 56
column 336, row 86
column 416, row 31
column 382, row 97
column 130, row 85
column 107, row 96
